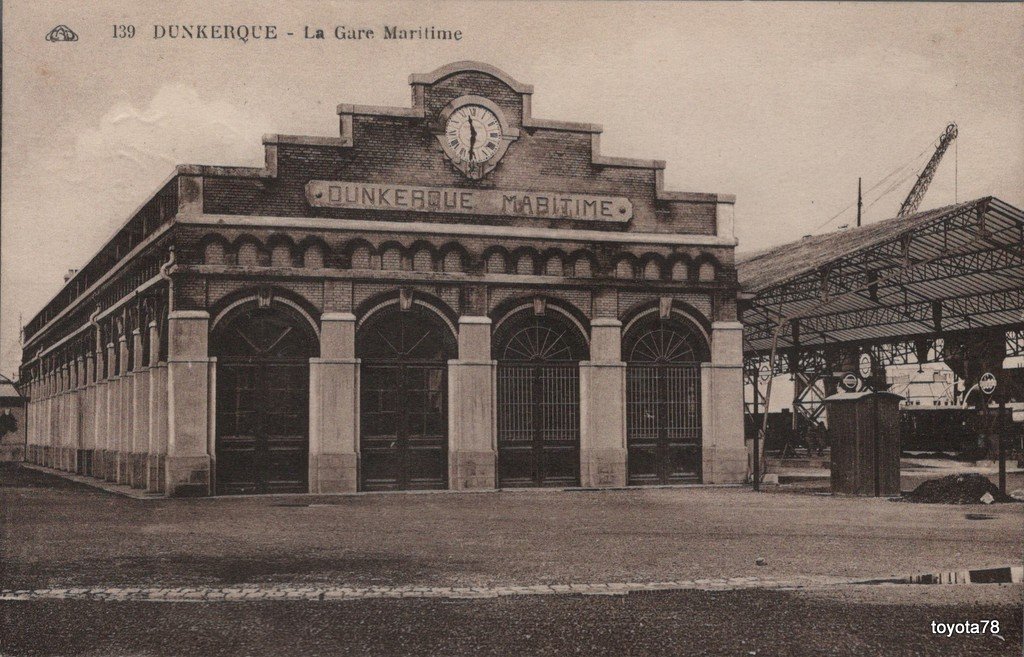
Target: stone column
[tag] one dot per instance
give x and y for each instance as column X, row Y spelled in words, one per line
column 55, row 433
column 157, row 414
column 60, row 444
column 472, row 440
column 603, row 408
column 47, row 417
column 55, row 430
column 42, row 429
column 60, row 447
column 724, row 452
column 113, row 417
column 37, row 417
column 75, row 412
column 188, row 400
column 140, row 414
column 124, row 424
column 51, row 417
column 30, row 419
column 33, row 425
column 88, row 415
column 52, row 423
column 100, row 415
column 334, row 407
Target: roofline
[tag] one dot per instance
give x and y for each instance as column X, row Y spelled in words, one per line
column 113, row 235
column 468, row 65
column 271, row 141
column 983, row 200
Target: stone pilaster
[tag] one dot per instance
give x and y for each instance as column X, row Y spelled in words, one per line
column 472, row 446
column 124, row 412
column 140, row 414
column 64, row 419
column 60, row 452
column 74, row 445
column 113, row 416
column 100, row 416
column 334, row 408
column 603, row 408
column 724, row 452
column 189, row 370
column 88, row 416
column 157, row 414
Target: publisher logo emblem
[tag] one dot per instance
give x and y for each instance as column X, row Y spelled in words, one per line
column 61, row 33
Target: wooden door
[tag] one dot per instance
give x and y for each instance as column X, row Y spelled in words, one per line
column 262, row 403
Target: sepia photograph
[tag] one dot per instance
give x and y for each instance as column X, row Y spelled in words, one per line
column 511, row 328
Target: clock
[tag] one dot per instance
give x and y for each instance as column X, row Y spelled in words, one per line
column 474, row 135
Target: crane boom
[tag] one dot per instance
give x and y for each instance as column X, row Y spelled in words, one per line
column 913, row 199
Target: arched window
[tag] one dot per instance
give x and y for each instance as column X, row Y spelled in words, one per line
column 403, row 406
column 538, row 398
column 262, row 442
column 663, row 400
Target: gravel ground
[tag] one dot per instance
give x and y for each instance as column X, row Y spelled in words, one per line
column 687, row 623
column 60, row 534
column 56, row 533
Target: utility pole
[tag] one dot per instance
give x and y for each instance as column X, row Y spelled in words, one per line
column 859, row 202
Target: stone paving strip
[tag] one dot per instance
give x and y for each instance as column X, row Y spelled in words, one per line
column 248, row 592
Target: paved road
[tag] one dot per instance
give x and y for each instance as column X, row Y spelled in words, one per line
column 482, row 552
column 739, row 623
column 62, row 534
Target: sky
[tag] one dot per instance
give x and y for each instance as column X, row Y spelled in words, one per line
column 783, row 105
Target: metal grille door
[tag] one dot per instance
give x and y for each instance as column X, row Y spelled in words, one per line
column 663, row 402
column 663, row 423
column 538, row 403
column 538, row 425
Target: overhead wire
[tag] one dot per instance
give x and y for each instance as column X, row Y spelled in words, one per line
column 914, row 169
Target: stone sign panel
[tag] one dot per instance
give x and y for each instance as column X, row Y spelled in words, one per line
column 456, row 200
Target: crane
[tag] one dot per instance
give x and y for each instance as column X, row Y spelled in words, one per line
column 913, row 199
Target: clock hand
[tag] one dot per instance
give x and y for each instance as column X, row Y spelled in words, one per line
column 472, row 138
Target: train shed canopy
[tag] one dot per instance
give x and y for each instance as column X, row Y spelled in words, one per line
column 955, row 268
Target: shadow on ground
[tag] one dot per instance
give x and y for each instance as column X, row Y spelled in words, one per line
column 743, row 623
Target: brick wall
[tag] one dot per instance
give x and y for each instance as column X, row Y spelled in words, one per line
column 394, row 149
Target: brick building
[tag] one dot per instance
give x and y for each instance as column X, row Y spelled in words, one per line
column 453, row 295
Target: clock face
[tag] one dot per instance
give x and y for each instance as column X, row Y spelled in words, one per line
column 474, row 133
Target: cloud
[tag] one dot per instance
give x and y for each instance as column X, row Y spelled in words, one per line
column 177, row 126
column 65, row 199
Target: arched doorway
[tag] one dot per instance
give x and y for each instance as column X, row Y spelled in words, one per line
column 663, row 400
column 538, row 399
column 263, row 400
column 403, row 399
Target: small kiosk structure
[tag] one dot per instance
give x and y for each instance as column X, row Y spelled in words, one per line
column 865, row 434
column 12, row 421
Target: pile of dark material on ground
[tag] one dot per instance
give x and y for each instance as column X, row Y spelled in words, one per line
column 956, row 489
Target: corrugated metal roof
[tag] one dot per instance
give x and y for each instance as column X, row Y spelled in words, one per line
column 759, row 270
column 884, row 281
